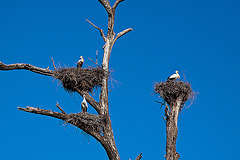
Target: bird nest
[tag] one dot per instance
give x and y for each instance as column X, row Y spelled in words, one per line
column 171, row 91
column 83, row 79
column 87, row 121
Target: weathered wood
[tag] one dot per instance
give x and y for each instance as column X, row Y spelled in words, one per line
column 172, row 130
column 120, row 34
column 25, row 66
column 45, row 112
column 109, row 143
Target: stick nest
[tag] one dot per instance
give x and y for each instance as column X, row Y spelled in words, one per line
column 83, row 79
column 171, row 91
column 87, row 121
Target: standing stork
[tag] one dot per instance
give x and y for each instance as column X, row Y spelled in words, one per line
column 174, row 76
column 80, row 62
column 84, row 105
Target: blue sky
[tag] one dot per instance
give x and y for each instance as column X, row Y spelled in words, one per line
column 200, row 38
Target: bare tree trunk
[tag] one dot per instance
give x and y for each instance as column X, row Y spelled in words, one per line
column 109, row 141
column 172, row 130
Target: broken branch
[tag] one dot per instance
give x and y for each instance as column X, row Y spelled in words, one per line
column 120, row 34
column 53, row 64
column 60, row 108
column 100, row 30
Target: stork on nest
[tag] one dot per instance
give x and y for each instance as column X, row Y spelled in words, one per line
column 171, row 90
column 174, row 77
column 80, row 62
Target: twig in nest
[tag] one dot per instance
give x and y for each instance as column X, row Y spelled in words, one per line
column 93, row 62
column 162, row 104
column 97, row 57
column 54, row 64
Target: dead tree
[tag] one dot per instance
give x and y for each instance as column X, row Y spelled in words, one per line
column 174, row 95
column 98, row 126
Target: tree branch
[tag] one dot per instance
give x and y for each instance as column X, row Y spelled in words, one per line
column 120, row 34
column 44, row 112
column 90, row 100
column 106, row 5
column 53, row 64
column 116, row 3
column 25, row 66
column 100, row 30
column 57, row 105
column 139, row 156
column 84, row 121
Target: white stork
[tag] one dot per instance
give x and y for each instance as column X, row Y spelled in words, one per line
column 84, row 105
column 174, row 76
column 80, row 62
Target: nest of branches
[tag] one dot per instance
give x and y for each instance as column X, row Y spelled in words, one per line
column 83, row 79
column 171, row 91
column 87, row 121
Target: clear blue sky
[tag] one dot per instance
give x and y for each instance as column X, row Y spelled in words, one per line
column 200, row 38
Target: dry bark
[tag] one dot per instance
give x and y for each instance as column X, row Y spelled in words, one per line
column 25, row 66
column 84, row 120
column 172, row 130
column 109, row 141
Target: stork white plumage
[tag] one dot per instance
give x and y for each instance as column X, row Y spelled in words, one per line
column 80, row 62
column 174, row 76
column 84, row 105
